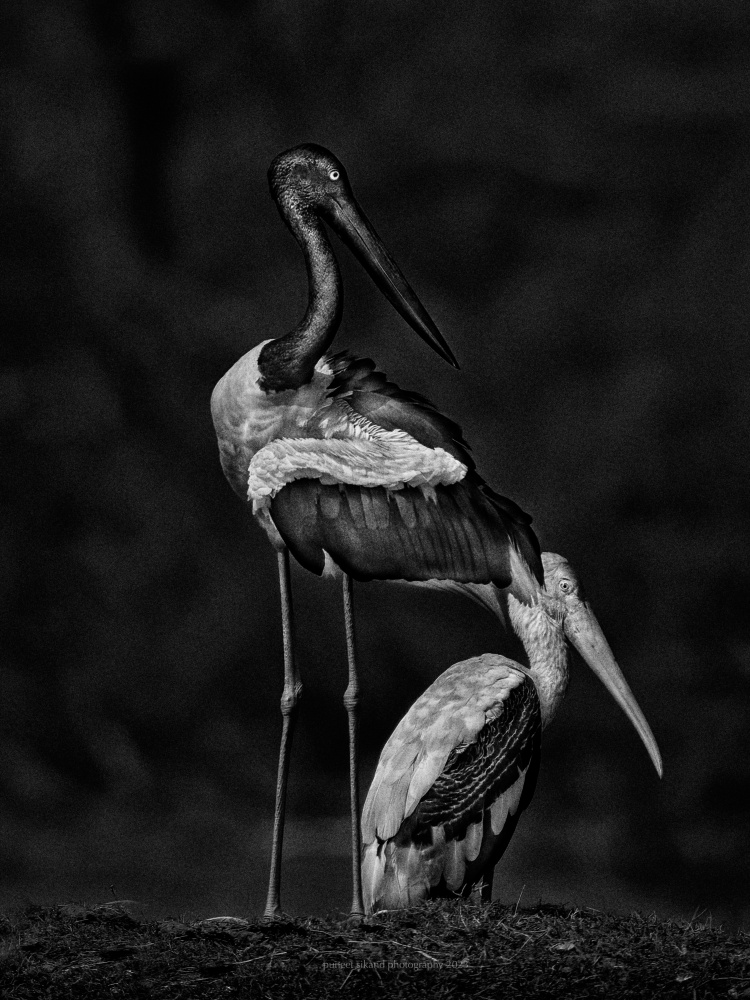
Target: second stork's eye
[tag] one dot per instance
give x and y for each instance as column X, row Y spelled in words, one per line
column 565, row 586
column 334, row 175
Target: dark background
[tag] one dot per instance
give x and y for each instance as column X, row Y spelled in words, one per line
column 566, row 185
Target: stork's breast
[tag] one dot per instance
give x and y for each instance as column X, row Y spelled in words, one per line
column 246, row 418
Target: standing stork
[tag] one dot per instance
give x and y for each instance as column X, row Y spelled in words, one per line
column 462, row 764
column 345, row 470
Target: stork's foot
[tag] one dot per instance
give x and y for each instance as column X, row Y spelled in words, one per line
column 276, row 916
column 225, row 923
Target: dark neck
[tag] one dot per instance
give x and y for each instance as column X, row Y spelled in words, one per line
column 289, row 362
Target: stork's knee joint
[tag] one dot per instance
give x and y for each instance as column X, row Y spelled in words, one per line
column 289, row 698
column 351, row 698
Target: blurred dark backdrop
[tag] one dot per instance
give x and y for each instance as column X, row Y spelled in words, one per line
column 567, row 187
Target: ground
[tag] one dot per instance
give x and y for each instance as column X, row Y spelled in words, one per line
column 444, row 949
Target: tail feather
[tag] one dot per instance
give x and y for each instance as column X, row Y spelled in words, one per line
column 455, row 864
column 394, row 875
column 433, row 856
column 399, row 873
column 524, row 586
column 373, row 874
column 484, row 594
column 507, row 803
column 473, row 841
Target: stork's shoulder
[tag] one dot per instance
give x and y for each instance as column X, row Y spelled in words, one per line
column 456, row 705
column 239, row 396
column 237, row 386
column 479, row 684
column 246, row 417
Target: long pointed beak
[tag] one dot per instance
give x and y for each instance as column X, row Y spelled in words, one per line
column 352, row 225
column 585, row 633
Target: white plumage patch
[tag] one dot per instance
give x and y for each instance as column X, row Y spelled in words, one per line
column 506, row 804
column 392, row 461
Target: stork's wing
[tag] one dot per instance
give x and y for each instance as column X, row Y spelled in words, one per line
column 372, row 533
column 474, row 776
column 372, row 396
column 451, row 782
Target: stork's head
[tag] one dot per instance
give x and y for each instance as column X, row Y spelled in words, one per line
column 309, row 181
column 308, row 175
column 565, row 604
column 562, row 588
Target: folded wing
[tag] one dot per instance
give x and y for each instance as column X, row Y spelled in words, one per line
column 451, row 783
column 449, row 532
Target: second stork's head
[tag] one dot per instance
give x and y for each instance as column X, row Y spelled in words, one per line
column 309, row 183
column 562, row 606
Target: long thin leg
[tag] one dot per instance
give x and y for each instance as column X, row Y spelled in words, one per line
column 351, row 702
column 289, row 698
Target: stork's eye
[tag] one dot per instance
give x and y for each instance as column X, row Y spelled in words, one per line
column 334, row 175
column 565, row 586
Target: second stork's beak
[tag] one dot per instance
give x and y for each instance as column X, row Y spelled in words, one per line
column 349, row 221
column 585, row 634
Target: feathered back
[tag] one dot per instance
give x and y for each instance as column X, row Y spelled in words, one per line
column 450, row 780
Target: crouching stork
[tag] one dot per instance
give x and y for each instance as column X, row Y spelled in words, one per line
column 462, row 764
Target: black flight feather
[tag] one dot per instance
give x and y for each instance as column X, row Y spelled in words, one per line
column 377, row 534
column 474, row 776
